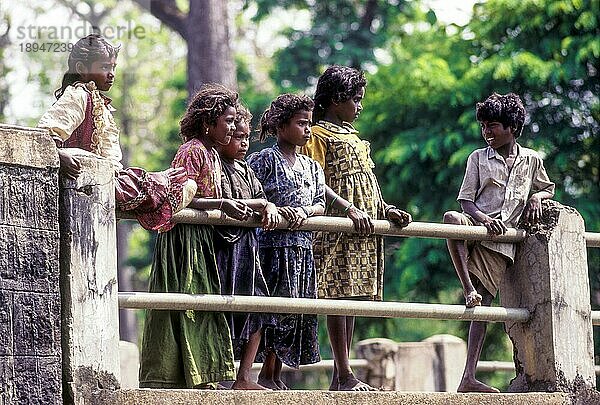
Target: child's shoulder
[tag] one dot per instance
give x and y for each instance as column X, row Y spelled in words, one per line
column 525, row 152
column 262, row 155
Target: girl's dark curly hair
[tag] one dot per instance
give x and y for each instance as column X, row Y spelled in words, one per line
column 282, row 109
column 336, row 85
column 242, row 114
column 87, row 50
column 507, row 109
column 208, row 104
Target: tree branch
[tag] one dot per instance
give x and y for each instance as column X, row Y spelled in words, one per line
column 369, row 15
column 168, row 13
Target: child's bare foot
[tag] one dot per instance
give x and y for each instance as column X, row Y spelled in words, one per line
column 475, row 386
column 354, row 384
column 247, row 385
column 334, row 386
column 473, row 299
column 270, row 384
column 281, row 385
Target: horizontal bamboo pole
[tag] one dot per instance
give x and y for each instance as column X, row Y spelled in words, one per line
column 382, row 227
column 239, row 303
column 339, row 224
column 595, row 317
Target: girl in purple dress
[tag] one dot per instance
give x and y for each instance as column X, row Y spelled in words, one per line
column 294, row 183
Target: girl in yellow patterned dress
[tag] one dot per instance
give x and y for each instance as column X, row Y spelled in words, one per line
column 348, row 265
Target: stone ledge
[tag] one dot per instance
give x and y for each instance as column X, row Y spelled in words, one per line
column 174, row 397
column 28, row 147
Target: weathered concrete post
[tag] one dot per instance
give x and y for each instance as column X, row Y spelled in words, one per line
column 89, row 283
column 30, row 362
column 381, row 354
column 554, row 351
column 450, row 357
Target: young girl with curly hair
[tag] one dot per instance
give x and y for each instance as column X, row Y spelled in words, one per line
column 295, row 184
column 193, row 348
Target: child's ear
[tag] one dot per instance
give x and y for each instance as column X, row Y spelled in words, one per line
column 80, row 68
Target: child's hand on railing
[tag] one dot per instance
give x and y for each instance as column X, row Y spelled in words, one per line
column 270, row 217
column 363, row 224
column 399, row 217
column 236, row 209
column 294, row 215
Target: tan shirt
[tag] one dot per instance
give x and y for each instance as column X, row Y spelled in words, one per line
column 501, row 192
column 68, row 112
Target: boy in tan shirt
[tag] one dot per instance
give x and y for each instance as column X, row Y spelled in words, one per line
column 502, row 183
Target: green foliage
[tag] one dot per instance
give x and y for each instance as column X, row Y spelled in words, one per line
column 344, row 32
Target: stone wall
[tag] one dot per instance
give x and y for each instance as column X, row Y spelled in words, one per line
column 30, row 353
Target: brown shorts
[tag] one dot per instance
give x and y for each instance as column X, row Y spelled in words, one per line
column 487, row 265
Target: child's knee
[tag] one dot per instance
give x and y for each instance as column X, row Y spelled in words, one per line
column 452, row 217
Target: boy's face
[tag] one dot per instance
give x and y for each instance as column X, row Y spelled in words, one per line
column 101, row 72
column 349, row 110
column 495, row 134
column 238, row 146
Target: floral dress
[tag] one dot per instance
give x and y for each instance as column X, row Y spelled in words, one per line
column 192, row 348
column 286, row 256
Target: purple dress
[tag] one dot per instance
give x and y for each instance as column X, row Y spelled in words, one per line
column 286, row 256
column 236, row 250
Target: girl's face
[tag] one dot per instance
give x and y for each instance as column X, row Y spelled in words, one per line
column 220, row 133
column 238, row 146
column 101, row 72
column 350, row 109
column 297, row 131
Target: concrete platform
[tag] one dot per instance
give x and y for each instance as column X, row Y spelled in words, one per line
column 177, row 397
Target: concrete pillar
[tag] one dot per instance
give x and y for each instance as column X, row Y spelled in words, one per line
column 380, row 353
column 554, row 351
column 91, row 370
column 129, row 355
column 415, row 367
column 30, row 353
column 450, row 358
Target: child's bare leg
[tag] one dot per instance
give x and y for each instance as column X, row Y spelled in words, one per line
column 477, row 330
column 242, row 381
column 458, row 253
column 266, row 377
column 340, row 330
column 277, row 376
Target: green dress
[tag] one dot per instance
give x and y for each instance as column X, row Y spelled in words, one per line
column 187, row 348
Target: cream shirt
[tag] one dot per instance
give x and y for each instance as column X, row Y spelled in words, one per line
column 501, row 192
column 68, row 112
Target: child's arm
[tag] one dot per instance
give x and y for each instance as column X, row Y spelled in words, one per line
column 363, row 224
column 494, row 226
column 269, row 214
column 543, row 188
column 234, row 209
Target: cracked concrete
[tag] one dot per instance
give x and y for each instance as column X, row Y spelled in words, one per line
column 554, row 350
column 89, row 282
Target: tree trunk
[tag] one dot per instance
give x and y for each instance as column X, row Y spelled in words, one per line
column 209, row 53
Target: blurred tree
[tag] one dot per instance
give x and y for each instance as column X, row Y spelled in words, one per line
column 205, row 28
column 344, row 32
